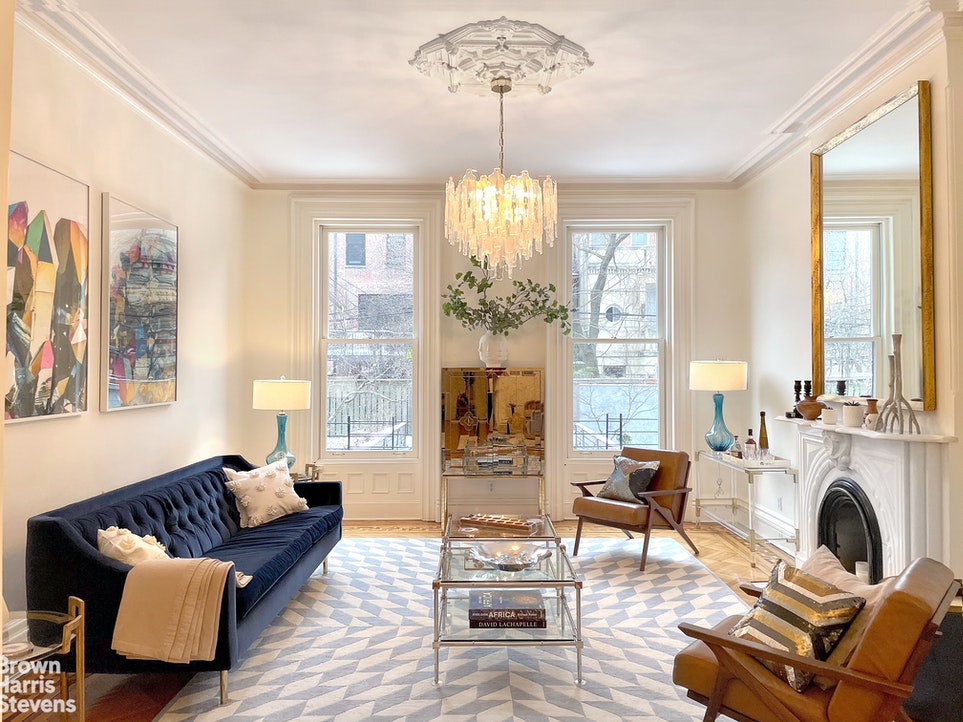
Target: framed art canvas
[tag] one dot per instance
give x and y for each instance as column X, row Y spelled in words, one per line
column 140, row 319
column 47, row 285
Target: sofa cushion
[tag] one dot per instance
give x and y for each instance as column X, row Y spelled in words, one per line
column 187, row 516
column 267, row 551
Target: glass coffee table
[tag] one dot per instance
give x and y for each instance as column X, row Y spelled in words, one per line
column 510, row 585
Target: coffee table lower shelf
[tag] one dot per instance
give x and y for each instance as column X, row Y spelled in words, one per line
column 562, row 623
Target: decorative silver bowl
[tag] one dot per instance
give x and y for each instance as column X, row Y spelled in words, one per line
column 509, row 556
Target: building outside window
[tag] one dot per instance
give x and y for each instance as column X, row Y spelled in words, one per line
column 354, row 249
column 851, row 303
column 368, row 343
column 618, row 338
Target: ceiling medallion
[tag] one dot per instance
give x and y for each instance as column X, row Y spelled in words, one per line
column 500, row 220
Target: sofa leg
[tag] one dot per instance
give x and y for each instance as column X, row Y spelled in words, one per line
column 223, row 686
column 324, row 566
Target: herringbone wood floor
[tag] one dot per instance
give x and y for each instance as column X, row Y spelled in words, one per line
column 139, row 698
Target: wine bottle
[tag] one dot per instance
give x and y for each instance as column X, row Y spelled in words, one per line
column 763, row 434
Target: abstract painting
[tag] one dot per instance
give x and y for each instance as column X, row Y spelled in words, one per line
column 47, row 283
column 140, row 278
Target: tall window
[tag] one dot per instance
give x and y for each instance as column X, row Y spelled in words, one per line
column 617, row 337
column 851, row 309
column 368, row 344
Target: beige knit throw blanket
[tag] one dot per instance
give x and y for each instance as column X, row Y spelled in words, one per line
column 170, row 609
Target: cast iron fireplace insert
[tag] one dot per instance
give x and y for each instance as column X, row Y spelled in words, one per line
column 848, row 527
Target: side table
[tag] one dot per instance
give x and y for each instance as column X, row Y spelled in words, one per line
column 33, row 636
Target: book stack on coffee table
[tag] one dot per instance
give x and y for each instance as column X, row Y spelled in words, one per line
column 506, row 608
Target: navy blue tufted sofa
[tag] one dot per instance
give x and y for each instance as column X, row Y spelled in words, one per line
column 193, row 514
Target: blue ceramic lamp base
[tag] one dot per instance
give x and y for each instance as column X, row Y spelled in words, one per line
column 281, row 448
column 718, row 437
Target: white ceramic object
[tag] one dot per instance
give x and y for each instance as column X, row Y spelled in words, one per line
column 852, row 416
column 493, row 350
column 829, row 417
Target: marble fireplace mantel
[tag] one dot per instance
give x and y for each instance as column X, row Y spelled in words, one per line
column 901, row 474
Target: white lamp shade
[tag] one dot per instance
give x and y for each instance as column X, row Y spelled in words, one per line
column 718, row 375
column 282, row 394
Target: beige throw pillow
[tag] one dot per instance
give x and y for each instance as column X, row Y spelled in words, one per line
column 264, row 494
column 825, row 565
column 125, row 546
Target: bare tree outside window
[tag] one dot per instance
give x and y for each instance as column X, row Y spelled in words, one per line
column 616, row 338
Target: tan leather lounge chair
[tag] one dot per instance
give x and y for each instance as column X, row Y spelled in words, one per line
column 663, row 507
column 723, row 672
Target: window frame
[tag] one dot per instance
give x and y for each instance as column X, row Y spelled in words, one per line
column 666, row 380
column 320, row 237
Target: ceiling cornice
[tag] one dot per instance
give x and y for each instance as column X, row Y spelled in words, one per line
column 81, row 39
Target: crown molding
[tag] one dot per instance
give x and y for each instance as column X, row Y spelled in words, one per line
column 83, row 41
column 908, row 36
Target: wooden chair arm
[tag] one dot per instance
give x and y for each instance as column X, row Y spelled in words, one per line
column 842, row 674
column 580, row 485
column 752, row 588
column 665, row 492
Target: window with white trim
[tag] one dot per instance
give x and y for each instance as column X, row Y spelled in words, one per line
column 368, row 344
column 618, row 337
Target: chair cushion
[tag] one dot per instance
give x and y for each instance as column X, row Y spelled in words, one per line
column 798, row 613
column 628, row 479
column 696, row 667
column 627, row 513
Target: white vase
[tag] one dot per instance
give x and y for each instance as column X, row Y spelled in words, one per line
column 493, row 350
column 852, row 416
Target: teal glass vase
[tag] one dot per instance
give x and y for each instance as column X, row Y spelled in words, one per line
column 281, row 448
column 718, row 437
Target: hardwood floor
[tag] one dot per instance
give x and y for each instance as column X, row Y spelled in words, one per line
column 139, row 698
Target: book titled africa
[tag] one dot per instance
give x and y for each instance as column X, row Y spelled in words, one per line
column 506, row 608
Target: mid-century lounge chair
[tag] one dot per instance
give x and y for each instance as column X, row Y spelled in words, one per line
column 724, row 673
column 662, row 506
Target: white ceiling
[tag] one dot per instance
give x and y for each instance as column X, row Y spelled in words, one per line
column 289, row 92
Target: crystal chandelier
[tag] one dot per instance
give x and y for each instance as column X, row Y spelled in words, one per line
column 500, row 220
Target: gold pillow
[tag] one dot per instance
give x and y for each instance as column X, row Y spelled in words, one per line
column 798, row 613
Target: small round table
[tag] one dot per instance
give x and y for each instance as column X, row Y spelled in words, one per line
column 31, row 637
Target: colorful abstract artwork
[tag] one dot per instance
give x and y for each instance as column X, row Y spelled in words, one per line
column 140, row 278
column 47, row 275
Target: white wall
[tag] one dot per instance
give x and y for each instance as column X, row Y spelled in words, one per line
column 66, row 119
column 777, row 211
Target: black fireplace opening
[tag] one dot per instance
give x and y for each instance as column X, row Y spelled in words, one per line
column 848, row 528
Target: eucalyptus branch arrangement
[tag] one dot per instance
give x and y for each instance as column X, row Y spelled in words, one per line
column 469, row 302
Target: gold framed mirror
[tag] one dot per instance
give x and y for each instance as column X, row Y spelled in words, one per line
column 872, row 252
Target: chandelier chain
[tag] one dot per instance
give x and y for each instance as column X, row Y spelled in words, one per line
column 501, row 132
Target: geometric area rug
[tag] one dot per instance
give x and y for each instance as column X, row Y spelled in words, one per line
column 355, row 644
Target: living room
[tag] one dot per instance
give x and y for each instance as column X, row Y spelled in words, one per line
column 246, row 279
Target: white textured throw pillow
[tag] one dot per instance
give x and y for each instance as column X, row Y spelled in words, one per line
column 264, row 494
column 125, row 546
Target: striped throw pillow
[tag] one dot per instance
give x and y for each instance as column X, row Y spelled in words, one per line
column 798, row 613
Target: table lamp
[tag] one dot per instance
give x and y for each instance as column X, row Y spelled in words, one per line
column 278, row 395
column 718, row 376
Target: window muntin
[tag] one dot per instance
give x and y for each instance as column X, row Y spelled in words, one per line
column 368, row 344
column 851, row 305
column 617, row 357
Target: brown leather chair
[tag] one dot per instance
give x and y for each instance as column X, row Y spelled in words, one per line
column 663, row 507
column 723, row 672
